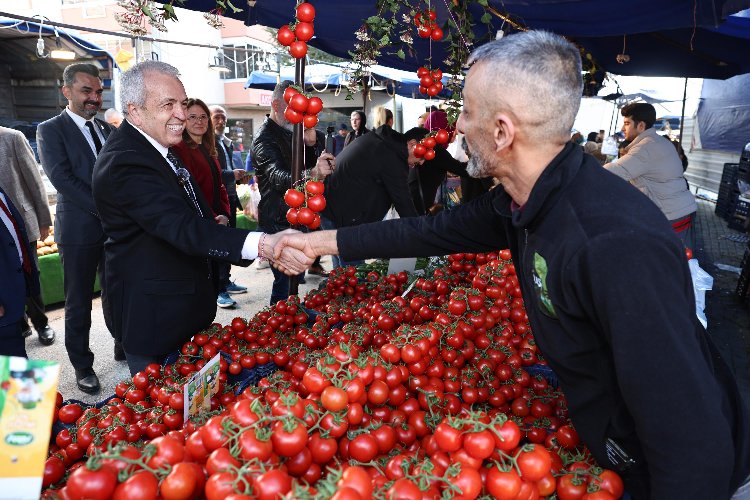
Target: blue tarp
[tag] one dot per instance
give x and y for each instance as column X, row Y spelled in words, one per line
column 724, row 114
column 659, row 39
column 322, row 76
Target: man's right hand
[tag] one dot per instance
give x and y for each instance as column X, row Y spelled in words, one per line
column 325, row 166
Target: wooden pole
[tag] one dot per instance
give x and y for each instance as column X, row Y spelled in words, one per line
column 298, row 151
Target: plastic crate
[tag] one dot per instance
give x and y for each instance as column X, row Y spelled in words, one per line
column 257, row 373
column 545, row 371
column 743, row 282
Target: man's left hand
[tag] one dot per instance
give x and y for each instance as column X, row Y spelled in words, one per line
column 43, row 233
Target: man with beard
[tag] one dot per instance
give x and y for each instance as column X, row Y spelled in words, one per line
column 272, row 157
column 605, row 282
column 69, row 144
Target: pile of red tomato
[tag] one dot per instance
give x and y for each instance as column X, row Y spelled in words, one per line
column 297, row 35
column 397, row 389
column 305, row 204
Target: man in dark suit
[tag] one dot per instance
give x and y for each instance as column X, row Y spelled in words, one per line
column 160, row 230
column 20, row 278
column 68, row 147
column 230, row 176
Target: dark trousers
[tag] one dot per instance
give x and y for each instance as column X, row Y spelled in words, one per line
column 327, row 224
column 34, row 305
column 138, row 362
column 12, row 342
column 280, row 287
column 80, row 265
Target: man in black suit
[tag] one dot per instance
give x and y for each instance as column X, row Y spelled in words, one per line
column 68, row 147
column 160, row 230
column 19, row 277
column 230, row 176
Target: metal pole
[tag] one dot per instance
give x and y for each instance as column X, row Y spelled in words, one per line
column 298, row 151
column 682, row 117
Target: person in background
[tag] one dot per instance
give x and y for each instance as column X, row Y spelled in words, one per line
column 199, row 155
column 113, row 117
column 681, row 153
column 339, row 139
column 600, row 136
column 272, row 157
column 607, row 288
column 69, row 145
column 358, row 120
column 594, row 148
column 383, row 116
column 422, row 119
column 230, row 177
column 22, row 182
column 653, row 166
column 576, row 138
column 20, row 277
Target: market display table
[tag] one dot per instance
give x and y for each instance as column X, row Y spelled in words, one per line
column 51, row 279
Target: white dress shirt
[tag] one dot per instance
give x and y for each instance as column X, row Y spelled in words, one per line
column 81, row 123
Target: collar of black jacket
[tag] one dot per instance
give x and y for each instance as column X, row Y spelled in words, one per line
column 394, row 140
column 548, row 188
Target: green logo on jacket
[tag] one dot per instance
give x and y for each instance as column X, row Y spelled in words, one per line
column 540, row 284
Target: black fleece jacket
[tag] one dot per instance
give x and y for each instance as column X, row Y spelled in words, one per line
column 610, row 301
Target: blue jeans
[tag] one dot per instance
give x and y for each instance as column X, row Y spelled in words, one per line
column 338, row 261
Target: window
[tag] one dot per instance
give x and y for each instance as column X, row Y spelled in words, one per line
column 244, row 59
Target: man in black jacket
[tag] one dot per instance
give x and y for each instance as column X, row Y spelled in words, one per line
column 271, row 153
column 371, row 176
column 160, row 230
column 605, row 282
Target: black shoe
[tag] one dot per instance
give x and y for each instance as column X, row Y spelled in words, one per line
column 87, row 380
column 119, row 352
column 26, row 332
column 47, row 335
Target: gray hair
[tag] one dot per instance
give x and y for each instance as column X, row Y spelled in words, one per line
column 111, row 113
column 278, row 90
column 133, row 86
column 215, row 107
column 543, row 70
column 69, row 73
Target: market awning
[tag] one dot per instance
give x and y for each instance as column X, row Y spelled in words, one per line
column 596, row 24
column 20, row 49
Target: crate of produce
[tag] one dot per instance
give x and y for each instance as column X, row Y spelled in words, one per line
column 545, row 371
column 255, row 375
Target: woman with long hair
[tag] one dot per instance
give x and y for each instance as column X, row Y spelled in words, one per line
column 197, row 151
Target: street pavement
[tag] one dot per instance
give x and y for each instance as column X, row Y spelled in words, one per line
column 728, row 316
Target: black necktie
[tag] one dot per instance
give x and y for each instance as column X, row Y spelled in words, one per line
column 183, row 177
column 95, row 136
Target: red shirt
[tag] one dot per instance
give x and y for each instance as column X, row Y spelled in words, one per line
column 195, row 162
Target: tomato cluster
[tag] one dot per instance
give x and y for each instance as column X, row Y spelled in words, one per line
column 297, row 35
column 300, row 108
column 305, row 204
column 430, row 81
column 426, row 147
column 395, row 385
column 427, row 27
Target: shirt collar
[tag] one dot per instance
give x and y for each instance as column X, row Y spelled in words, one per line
column 161, row 149
column 79, row 120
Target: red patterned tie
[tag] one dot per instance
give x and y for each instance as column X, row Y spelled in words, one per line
column 21, row 241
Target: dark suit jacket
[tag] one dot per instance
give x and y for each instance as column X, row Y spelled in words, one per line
column 227, row 171
column 157, row 248
column 15, row 285
column 371, row 174
column 69, row 163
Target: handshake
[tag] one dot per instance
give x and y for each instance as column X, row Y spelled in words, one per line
column 292, row 252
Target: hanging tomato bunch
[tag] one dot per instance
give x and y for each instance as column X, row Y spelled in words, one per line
column 305, row 204
column 430, row 81
column 301, row 109
column 297, row 35
column 427, row 27
column 426, row 147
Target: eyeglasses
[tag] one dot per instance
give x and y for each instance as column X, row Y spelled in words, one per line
column 197, row 118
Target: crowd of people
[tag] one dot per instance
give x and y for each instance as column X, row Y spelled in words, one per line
column 148, row 205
